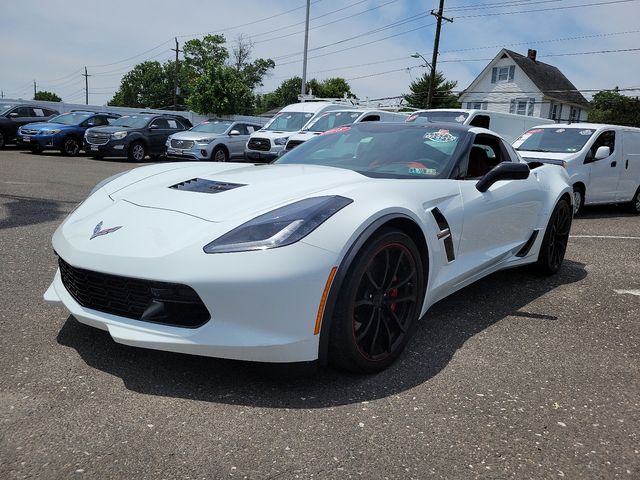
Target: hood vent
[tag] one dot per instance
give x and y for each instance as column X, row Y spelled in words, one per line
column 205, row 186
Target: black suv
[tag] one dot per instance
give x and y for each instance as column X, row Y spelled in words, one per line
column 134, row 136
column 14, row 116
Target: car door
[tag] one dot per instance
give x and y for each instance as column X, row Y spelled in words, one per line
column 158, row 132
column 604, row 174
column 499, row 221
column 236, row 143
column 630, row 173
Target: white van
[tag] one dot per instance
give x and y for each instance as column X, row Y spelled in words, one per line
column 265, row 144
column 603, row 161
column 509, row 125
column 337, row 118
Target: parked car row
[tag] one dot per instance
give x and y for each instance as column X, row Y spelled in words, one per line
column 12, row 117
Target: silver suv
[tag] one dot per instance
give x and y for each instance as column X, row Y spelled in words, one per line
column 214, row 140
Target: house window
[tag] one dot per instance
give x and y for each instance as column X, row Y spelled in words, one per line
column 553, row 111
column 522, row 106
column 574, row 114
column 503, row 74
column 477, row 105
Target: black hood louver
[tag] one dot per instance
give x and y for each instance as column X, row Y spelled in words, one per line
column 205, row 186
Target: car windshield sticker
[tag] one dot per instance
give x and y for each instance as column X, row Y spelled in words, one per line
column 422, row 171
column 412, row 118
column 441, row 136
column 336, row 130
column 560, row 130
column 535, row 130
column 307, row 115
column 354, row 115
column 586, row 132
column 460, row 118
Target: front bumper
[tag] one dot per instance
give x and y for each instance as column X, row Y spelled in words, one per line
column 113, row 148
column 263, row 304
column 261, row 156
column 197, row 152
column 44, row 142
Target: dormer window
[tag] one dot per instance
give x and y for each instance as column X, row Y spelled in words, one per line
column 503, row 74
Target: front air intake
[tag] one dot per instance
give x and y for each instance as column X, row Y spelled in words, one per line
column 205, row 186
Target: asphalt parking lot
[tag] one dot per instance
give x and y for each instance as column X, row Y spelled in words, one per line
column 516, row 376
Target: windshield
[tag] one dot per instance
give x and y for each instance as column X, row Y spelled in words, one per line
column 134, row 121
column 288, row 121
column 383, row 150
column 211, row 127
column 330, row 120
column 436, row 116
column 553, row 140
column 70, row 118
column 5, row 108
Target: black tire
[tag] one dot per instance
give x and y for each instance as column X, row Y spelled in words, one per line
column 370, row 326
column 137, row 152
column 556, row 237
column 219, row 154
column 97, row 157
column 37, row 149
column 3, row 140
column 70, row 146
column 578, row 199
column 634, row 205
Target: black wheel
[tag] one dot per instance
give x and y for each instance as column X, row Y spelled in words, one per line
column 70, row 146
column 219, row 154
column 556, row 237
column 137, row 152
column 37, row 149
column 378, row 306
column 634, row 205
column 3, row 139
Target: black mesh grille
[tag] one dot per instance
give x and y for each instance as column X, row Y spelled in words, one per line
column 158, row 302
column 262, row 144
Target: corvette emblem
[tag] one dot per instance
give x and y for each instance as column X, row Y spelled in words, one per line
column 98, row 231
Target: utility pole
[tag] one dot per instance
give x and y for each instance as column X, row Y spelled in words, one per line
column 175, row 80
column 34, row 90
column 304, row 61
column 436, row 44
column 86, row 85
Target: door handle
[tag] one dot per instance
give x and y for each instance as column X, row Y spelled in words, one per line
column 626, row 164
column 614, row 163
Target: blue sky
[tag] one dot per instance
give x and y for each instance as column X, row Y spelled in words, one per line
column 368, row 42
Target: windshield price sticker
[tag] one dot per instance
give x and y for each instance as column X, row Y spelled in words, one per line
column 441, row 136
column 586, row 132
column 460, row 118
column 422, row 171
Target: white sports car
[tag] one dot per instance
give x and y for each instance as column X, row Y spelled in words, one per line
column 332, row 253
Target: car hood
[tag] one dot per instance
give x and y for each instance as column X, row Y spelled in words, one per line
column 547, row 155
column 45, row 125
column 196, row 135
column 111, row 129
column 226, row 192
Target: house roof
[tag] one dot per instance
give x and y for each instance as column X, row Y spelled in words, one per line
column 551, row 81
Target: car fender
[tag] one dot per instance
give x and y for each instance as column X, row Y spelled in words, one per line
column 351, row 251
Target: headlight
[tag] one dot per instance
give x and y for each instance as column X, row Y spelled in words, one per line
column 118, row 135
column 280, row 227
column 105, row 181
column 50, row 132
column 281, row 141
column 204, row 141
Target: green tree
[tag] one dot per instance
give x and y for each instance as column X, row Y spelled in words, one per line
column 610, row 106
column 46, row 96
column 146, row 85
column 335, row 87
column 443, row 96
column 221, row 90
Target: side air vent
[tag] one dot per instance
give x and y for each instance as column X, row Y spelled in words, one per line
column 205, row 186
column 444, row 234
column 524, row 251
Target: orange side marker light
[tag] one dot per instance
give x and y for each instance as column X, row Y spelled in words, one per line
column 323, row 300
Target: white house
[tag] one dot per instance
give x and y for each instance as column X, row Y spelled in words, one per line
column 517, row 84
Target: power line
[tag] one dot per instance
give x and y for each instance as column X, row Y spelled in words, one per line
column 537, row 10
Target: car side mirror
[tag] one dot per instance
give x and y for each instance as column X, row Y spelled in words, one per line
column 234, row 132
column 503, row 171
column 602, row 152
